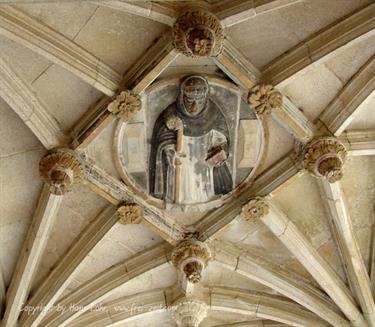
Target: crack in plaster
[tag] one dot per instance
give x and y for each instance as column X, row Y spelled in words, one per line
column 334, row 74
column 286, row 227
column 85, row 23
column 41, row 73
column 9, row 155
column 237, row 263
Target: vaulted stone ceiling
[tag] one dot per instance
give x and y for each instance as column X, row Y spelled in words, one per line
column 300, row 253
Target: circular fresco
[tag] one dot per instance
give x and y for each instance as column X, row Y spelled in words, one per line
column 193, row 144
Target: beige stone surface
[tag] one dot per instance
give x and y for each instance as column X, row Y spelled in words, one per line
column 78, row 208
column 159, row 278
column 280, row 142
column 101, row 149
column 313, row 90
column 66, row 109
column 111, row 34
column 216, row 318
column 349, row 60
column 19, row 157
column 187, row 65
column 66, row 18
column 27, row 64
column 119, row 39
column 360, row 205
column 267, row 36
column 215, row 275
column 121, row 243
column 364, row 118
column 308, row 214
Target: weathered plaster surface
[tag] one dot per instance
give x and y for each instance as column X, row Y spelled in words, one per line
column 267, row 36
column 302, row 203
column 359, row 190
column 66, row 18
column 110, row 34
column 19, row 185
column 364, row 118
column 79, row 207
column 66, row 109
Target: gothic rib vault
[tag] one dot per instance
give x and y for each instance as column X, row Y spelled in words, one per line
column 79, row 247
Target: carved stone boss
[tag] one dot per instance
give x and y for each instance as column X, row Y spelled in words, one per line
column 191, row 257
column 126, row 105
column 255, row 209
column 130, row 213
column 264, row 99
column 61, row 169
column 198, row 33
column 324, row 158
column 189, row 312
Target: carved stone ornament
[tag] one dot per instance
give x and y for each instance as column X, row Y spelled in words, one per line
column 61, row 169
column 324, row 158
column 191, row 258
column 130, row 214
column 189, row 312
column 264, row 99
column 198, row 33
column 255, row 209
column 126, row 105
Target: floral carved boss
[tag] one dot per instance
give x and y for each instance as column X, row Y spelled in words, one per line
column 198, row 33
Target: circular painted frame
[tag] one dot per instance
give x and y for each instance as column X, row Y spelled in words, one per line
column 120, row 162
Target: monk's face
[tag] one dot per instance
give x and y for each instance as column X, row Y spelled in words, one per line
column 195, row 95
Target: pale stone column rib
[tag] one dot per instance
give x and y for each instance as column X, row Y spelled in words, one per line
column 237, row 66
column 45, row 41
column 147, row 68
column 258, row 323
column 104, row 284
column 62, row 275
column 142, row 303
column 235, row 12
column 30, row 255
column 339, row 214
column 214, row 223
column 293, row 120
column 2, row 291
column 155, row 11
column 372, row 256
column 116, row 192
column 151, row 64
column 221, row 299
column 22, row 99
column 297, row 243
column 262, row 305
column 246, row 75
column 274, row 276
column 341, row 111
column 360, row 142
column 345, row 32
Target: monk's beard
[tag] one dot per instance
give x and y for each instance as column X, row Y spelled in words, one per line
column 193, row 107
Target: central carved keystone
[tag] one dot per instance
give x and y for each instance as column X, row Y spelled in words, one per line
column 61, row 169
column 198, row 33
column 191, row 257
column 189, row 312
column 324, row 158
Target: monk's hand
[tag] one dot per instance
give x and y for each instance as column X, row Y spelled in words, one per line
column 216, row 156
